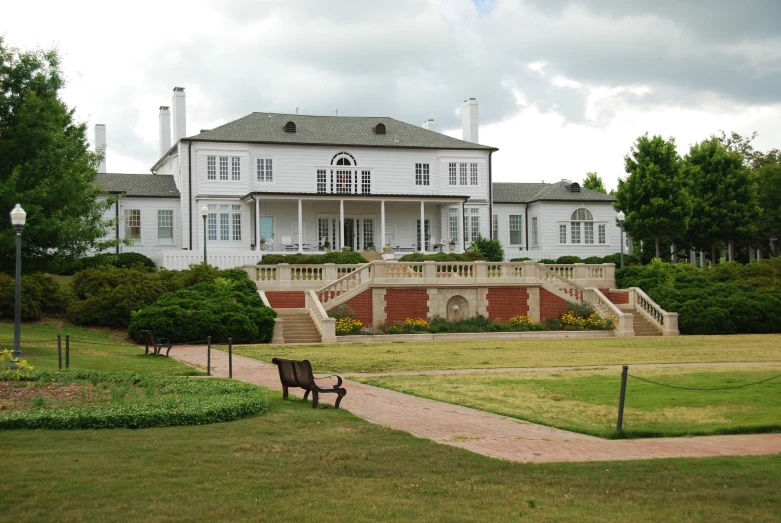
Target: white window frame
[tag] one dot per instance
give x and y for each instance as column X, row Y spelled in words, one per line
column 452, row 176
column 366, row 181
column 223, row 168
column 473, row 178
column 462, row 173
column 602, row 234
column 495, row 226
column 264, row 168
column 133, row 221
column 452, row 216
column 165, row 220
column 516, row 227
column 422, row 174
column 211, row 167
column 535, row 232
column 588, row 233
column 562, row 233
column 236, row 168
column 322, row 181
column 224, row 222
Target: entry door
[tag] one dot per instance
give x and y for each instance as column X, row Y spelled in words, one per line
column 266, row 225
column 427, row 234
column 350, row 233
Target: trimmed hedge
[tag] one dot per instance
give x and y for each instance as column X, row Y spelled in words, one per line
column 42, row 295
column 223, row 308
column 443, row 257
column 726, row 299
column 122, row 260
column 342, row 258
column 180, row 401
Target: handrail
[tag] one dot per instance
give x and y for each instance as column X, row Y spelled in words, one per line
column 325, row 325
column 264, row 298
column 623, row 322
column 565, row 286
column 666, row 322
column 344, row 284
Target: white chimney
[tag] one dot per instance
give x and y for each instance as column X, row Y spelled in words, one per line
column 469, row 120
column 100, row 145
column 180, row 116
column 430, row 124
column 165, row 130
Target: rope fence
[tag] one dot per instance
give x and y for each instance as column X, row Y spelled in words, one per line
column 625, row 374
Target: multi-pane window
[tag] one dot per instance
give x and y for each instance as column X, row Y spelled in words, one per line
column 422, row 174
column 472, row 225
column 265, row 170
column 581, row 215
column 462, row 174
column 535, row 233
column 344, row 182
column 426, row 234
column 472, row 174
column 516, row 229
column 223, row 167
column 453, row 223
column 495, row 227
column 211, row 167
column 451, row 176
column 133, row 223
column 368, row 232
column 588, row 232
column 575, row 232
column 236, row 168
column 165, row 225
column 224, row 221
column 562, row 233
column 601, row 233
column 322, row 231
column 366, row 182
column 322, row 181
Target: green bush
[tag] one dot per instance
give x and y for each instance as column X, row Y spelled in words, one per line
column 629, row 259
column 342, row 311
column 593, row 260
column 341, row 258
column 548, row 261
column 42, row 295
column 443, row 257
column 569, row 259
column 490, row 249
column 223, row 308
column 520, row 259
column 171, row 401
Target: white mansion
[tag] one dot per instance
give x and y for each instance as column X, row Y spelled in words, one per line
column 296, row 183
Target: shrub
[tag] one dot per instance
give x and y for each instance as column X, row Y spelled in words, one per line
column 415, row 325
column 547, row 261
column 342, row 311
column 569, row 259
column 42, row 295
column 593, row 260
column 521, row 322
column 443, row 257
column 341, row 258
column 520, row 259
column 582, row 309
column 173, row 401
column 490, row 249
column 629, row 259
column 223, row 308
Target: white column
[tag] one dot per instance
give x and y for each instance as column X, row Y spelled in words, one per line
column 300, row 227
column 257, row 224
column 382, row 222
column 422, row 227
column 460, row 247
column 341, row 224
column 702, row 259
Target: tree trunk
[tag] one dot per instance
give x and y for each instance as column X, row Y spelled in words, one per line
column 713, row 254
column 656, row 240
column 750, row 254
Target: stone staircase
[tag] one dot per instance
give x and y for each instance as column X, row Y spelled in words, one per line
column 371, row 255
column 298, row 326
column 642, row 326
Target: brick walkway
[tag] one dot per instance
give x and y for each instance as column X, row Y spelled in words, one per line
column 490, row 434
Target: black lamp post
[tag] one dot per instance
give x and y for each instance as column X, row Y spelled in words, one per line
column 621, row 218
column 205, row 214
column 18, row 217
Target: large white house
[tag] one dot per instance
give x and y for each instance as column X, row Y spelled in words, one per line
column 297, row 183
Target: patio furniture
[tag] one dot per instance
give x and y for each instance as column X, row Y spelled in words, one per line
column 287, row 243
column 157, row 344
column 298, row 373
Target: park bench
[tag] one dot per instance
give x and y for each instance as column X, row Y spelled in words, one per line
column 295, row 373
column 157, row 344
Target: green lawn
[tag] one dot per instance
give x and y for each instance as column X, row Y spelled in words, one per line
column 403, row 356
column 93, row 349
column 587, row 401
column 299, row 464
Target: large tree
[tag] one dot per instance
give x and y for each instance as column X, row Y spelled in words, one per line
column 653, row 196
column 724, row 196
column 768, row 182
column 594, row 182
column 45, row 164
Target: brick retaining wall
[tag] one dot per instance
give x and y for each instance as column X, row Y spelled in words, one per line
column 551, row 306
column 506, row 302
column 401, row 304
column 286, row 299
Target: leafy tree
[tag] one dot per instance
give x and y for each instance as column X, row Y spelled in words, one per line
column 45, row 164
column 768, row 180
column 653, row 196
column 724, row 198
column 491, row 249
column 594, row 182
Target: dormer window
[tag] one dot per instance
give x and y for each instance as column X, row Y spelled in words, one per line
column 290, row 127
column 380, row 129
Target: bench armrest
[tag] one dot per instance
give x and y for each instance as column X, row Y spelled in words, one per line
column 161, row 340
column 339, row 378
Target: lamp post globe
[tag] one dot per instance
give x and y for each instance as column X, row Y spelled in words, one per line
column 18, row 219
column 621, row 218
column 204, row 214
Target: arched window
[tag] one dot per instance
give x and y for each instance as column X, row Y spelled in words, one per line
column 343, row 158
column 584, row 233
column 343, row 161
column 582, row 214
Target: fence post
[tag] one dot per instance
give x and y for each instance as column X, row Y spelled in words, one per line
column 208, row 355
column 67, row 351
column 620, row 424
column 59, row 350
column 230, row 357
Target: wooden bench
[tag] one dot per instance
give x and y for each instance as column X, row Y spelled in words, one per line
column 295, row 373
column 157, row 344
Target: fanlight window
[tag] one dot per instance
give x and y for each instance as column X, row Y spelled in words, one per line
column 343, row 161
column 582, row 215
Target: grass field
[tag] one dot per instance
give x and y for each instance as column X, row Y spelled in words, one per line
column 587, row 401
column 94, row 349
column 403, row 356
column 299, row 464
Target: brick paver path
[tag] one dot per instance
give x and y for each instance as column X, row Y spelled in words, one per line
column 485, row 433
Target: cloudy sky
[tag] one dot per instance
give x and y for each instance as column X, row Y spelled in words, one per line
column 564, row 86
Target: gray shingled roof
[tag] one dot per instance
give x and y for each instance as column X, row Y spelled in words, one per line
column 535, row 192
column 331, row 130
column 140, row 185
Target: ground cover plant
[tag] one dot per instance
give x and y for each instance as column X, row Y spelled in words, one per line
column 413, row 356
column 729, row 298
column 354, row 471
column 79, row 399
column 586, row 400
